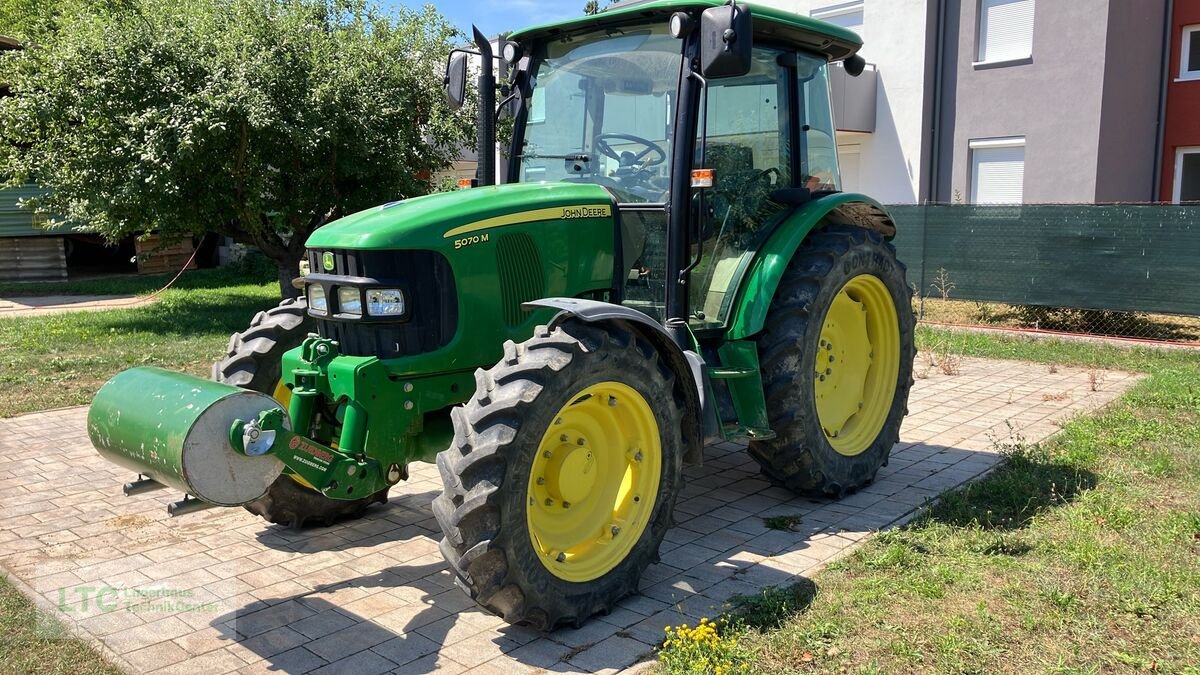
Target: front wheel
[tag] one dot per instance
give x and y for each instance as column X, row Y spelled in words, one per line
column 563, row 473
column 837, row 357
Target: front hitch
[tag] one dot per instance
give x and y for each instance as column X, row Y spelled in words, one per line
column 335, row 474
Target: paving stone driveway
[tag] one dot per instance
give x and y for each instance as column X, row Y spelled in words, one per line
column 222, row 591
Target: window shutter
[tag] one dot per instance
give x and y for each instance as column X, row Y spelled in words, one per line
column 1005, row 30
column 998, row 175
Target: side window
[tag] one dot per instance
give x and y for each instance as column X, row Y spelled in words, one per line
column 748, row 146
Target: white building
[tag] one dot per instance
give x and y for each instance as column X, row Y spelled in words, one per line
column 884, row 161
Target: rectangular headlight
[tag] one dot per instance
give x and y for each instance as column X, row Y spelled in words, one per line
column 385, row 302
column 349, row 301
column 316, row 299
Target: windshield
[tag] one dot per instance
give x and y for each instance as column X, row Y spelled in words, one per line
column 601, row 112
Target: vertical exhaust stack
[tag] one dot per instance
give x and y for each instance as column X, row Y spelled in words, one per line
column 487, row 109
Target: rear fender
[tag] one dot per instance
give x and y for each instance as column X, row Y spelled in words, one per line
column 687, row 365
column 761, row 280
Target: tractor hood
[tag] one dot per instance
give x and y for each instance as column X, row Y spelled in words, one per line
column 437, row 221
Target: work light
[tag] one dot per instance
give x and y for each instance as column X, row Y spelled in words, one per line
column 385, row 302
column 349, row 301
column 316, row 299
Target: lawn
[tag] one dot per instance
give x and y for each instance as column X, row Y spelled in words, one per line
column 62, row 359
column 32, row 642
column 1081, row 554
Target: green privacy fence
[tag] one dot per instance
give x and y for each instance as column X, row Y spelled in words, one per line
column 1130, row 258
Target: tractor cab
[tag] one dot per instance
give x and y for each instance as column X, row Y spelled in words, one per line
column 708, row 123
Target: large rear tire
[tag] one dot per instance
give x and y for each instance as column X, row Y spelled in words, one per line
column 836, row 358
column 563, row 473
column 255, row 362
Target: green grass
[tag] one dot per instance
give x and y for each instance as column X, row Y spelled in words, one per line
column 1078, row 555
column 33, row 642
column 62, row 359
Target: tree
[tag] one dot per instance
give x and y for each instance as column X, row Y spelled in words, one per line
column 593, row 6
column 258, row 119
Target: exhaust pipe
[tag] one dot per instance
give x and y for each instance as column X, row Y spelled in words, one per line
column 487, row 109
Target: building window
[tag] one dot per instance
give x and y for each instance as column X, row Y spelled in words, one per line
column 845, row 14
column 1187, row 175
column 1189, row 57
column 1005, row 30
column 997, row 171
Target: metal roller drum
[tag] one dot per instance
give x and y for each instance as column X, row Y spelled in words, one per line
column 174, row 428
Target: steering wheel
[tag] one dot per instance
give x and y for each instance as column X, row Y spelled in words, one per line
column 627, row 158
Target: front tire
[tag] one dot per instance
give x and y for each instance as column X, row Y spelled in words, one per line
column 255, row 361
column 563, row 474
column 837, row 356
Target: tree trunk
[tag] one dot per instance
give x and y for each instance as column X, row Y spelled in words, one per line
column 288, row 270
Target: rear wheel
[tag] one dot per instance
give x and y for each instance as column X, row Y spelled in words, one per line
column 255, row 362
column 563, row 473
column 837, row 359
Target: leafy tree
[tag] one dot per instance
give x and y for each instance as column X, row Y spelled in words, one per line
column 593, row 6
column 258, row 119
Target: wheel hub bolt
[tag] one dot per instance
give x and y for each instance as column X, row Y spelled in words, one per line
column 547, row 454
column 563, row 438
column 562, row 557
column 541, row 481
column 612, row 400
column 829, row 371
column 579, row 442
column 566, row 505
column 638, row 456
column 549, row 501
column 615, row 530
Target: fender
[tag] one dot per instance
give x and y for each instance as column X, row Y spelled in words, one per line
column 699, row 416
column 761, row 280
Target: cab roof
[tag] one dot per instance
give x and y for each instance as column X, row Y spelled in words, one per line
column 835, row 42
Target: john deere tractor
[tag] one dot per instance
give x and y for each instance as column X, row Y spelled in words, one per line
column 668, row 261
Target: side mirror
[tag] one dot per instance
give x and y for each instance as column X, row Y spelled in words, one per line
column 456, row 80
column 726, row 38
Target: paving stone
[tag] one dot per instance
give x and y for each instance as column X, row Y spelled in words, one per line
column 406, row 648
column 615, row 652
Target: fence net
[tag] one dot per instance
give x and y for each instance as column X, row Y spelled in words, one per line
column 1110, row 270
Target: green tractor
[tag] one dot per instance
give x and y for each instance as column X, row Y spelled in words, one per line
column 668, row 262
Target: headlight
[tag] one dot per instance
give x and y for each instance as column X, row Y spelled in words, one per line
column 349, row 301
column 316, row 299
column 385, row 302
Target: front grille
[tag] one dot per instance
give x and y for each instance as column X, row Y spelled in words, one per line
column 432, row 302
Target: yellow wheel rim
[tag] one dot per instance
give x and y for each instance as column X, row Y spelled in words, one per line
column 857, row 364
column 594, row 481
column 282, row 394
